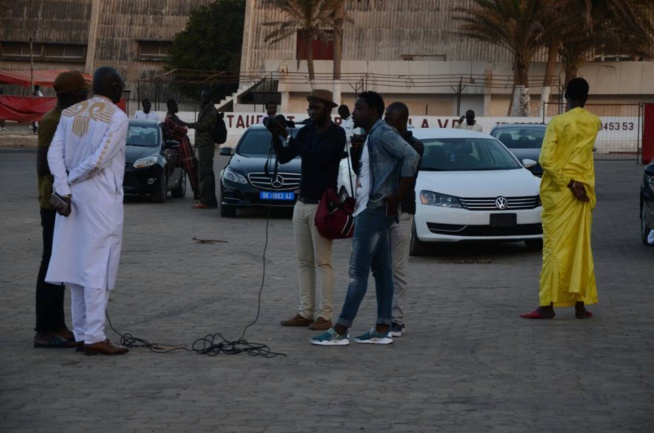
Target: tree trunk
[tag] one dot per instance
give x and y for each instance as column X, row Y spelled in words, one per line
column 310, row 67
column 520, row 102
column 338, row 50
column 552, row 53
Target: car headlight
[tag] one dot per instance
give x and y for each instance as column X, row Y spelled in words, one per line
column 649, row 179
column 441, row 200
column 145, row 162
column 233, row 176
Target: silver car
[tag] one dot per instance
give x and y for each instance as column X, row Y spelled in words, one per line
column 523, row 140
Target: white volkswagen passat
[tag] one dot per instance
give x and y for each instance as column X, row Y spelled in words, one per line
column 472, row 188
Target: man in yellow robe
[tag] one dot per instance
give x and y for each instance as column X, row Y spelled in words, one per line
column 568, row 196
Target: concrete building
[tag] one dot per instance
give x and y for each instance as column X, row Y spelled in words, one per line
column 406, row 50
column 409, row 50
column 132, row 36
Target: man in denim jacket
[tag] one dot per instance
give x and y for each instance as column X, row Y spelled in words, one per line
column 386, row 170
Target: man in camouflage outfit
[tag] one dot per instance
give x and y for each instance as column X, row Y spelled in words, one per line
column 205, row 146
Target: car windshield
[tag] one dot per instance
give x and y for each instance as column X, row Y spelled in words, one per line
column 257, row 142
column 142, row 136
column 463, row 154
column 520, row 137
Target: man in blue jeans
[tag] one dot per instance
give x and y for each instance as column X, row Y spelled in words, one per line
column 386, row 170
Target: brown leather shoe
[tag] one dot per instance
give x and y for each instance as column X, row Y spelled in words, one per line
column 66, row 333
column 297, row 321
column 104, row 347
column 321, row 324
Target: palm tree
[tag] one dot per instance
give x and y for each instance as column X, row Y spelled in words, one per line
column 606, row 26
column 311, row 18
column 513, row 24
column 610, row 27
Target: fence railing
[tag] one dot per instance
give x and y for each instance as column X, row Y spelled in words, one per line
column 620, row 135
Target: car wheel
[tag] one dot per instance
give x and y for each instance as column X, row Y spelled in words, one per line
column 227, row 211
column 534, row 244
column 180, row 190
column 342, row 194
column 644, row 227
column 416, row 246
column 160, row 195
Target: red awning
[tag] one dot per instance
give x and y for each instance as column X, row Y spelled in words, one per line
column 41, row 77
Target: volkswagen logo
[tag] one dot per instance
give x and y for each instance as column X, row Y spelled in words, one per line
column 277, row 182
column 501, row 203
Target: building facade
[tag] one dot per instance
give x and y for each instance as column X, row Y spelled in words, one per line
column 132, row 36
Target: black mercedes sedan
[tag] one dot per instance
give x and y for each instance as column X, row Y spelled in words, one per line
column 252, row 176
column 152, row 164
column 647, row 206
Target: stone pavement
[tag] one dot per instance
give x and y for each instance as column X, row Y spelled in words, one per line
column 467, row 362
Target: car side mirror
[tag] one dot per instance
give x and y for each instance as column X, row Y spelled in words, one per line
column 170, row 144
column 649, row 170
column 528, row 163
column 225, row 151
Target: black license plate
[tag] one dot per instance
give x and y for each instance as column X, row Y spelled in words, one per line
column 503, row 220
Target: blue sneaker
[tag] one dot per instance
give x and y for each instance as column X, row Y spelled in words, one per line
column 330, row 338
column 396, row 329
column 374, row 337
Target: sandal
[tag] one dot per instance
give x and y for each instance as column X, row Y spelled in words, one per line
column 55, row 342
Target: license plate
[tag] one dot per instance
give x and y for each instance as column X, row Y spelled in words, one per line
column 272, row 195
column 503, row 220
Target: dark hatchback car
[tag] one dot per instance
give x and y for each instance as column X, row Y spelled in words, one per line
column 647, row 206
column 250, row 179
column 523, row 140
column 152, row 164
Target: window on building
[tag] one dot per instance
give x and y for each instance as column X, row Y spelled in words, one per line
column 154, row 50
column 323, row 47
column 43, row 52
column 61, row 51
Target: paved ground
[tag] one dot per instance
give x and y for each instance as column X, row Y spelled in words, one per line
column 467, row 363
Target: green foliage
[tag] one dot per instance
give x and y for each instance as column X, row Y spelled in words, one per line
column 212, row 38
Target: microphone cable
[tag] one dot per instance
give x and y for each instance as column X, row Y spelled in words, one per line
column 214, row 344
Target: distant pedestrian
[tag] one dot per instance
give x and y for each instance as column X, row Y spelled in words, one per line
column 346, row 121
column 470, row 122
column 38, row 94
column 2, row 121
column 397, row 116
column 271, row 110
column 51, row 329
column 146, row 113
column 178, row 131
column 206, row 148
column 567, row 192
column 87, row 159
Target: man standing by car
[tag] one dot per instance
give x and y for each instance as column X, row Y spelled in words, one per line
column 87, row 159
column 178, row 130
column 320, row 144
column 51, row 330
column 206, row 148
column 387, row 169
column 567, row 192
column 397, row 116
column 146, row 114
column 271, row 110
column 470, row 122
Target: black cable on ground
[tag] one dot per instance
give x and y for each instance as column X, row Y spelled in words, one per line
column 212, row 344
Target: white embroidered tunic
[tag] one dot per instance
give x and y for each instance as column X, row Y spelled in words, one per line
column 87, row 159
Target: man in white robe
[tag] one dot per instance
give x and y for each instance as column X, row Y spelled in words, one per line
column 87, row 159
